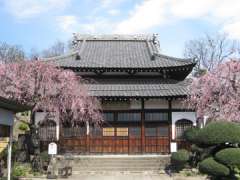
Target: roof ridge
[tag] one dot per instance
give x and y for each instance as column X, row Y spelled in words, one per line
column 113, row 37
column 187, row 60
column 60, row 56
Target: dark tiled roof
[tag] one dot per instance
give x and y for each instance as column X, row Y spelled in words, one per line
column 117, row 52
column 138, row 88
column 12, row 105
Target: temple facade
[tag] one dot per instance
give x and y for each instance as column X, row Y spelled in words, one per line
column 141, row 92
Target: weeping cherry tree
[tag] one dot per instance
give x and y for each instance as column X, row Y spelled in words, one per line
column 217, row 93
column 47, row 88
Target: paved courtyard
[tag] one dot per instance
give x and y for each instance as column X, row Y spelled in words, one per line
column 131, row 177
column 118, row 176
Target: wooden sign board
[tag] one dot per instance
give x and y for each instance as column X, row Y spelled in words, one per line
column 52, row 148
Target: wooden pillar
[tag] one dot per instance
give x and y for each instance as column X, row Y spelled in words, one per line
column 9, row 158
column 170, row 122
column 142, row 126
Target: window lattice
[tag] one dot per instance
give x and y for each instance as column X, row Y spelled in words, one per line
column 181, row 126
column 47, row 131
column 108, row 131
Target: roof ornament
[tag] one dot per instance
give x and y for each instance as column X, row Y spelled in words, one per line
column 153, row 46
column 80, row 49
column 75, row 40
column 154, row 38
column 156, row 41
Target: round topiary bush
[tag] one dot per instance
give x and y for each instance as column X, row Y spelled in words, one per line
column 217, row 133
column 229, row 157
column 195, row 148
column 191, row 134
column 211, row 167
column 23, row 127
column 180, row 157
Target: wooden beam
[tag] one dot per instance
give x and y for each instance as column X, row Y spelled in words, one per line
column 170, row 121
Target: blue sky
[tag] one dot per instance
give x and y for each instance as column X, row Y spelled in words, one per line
column 39, row 23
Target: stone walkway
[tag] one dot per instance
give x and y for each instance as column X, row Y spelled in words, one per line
column 120, row 176
column 131, row 177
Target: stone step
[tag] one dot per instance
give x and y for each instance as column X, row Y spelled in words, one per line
column 118, row 169
column 121, row 164
column 119, row 160
column 117, row 165
column 117, row 172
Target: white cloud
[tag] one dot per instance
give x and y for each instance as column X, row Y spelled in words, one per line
column 68, row 22
column 191, row 8
column 99, row 25
column 227, row 9
column 233, row 29
column 24, row 9
column 114, row 12
column 154, row 13
column 71, row 24
column 144, row 16
column 110, row 3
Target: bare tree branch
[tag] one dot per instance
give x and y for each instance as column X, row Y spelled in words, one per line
column 11, row 53
column 58, row 48
column 210, row 50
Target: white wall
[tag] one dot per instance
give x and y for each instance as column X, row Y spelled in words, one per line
column 6, row 117
column 182, row 115
column 156, row 104
column 135, row 104
column 149, row 104
column 122, row 105
column 178, row 104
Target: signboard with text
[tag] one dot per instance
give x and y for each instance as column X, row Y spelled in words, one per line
column 52, row 148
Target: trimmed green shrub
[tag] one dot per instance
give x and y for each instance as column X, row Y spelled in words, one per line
column 229, row 157
column 44, row 156
column 180, row 157
column 211, row 167
column 217, row 133
column 21, row 170
column 196, row 148
column 23, row 127
column 191, row 134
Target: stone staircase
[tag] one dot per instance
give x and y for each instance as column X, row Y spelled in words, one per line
column 116, row 164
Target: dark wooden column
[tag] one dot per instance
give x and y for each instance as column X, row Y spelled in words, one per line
column 170, row 121
column 142, row 126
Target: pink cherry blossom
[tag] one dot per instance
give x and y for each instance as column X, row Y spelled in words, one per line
column 217, row 94
column 50, row 89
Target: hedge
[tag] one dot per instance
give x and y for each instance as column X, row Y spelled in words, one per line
column 196, row 148
column 180, row 157
column 217, row 133
column 229, row 157
column 211, row 167
column 191, row 134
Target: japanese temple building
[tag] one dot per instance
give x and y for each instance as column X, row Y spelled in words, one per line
column 141, row 91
